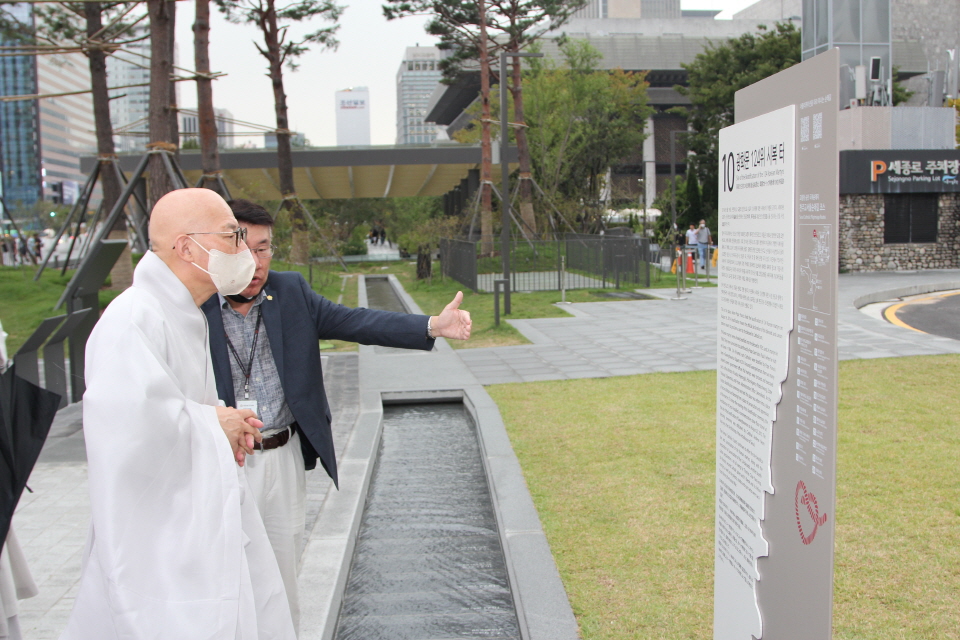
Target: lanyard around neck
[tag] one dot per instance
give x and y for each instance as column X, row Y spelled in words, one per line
column 247, row 370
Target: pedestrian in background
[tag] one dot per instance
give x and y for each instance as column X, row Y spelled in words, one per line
column 704, row 240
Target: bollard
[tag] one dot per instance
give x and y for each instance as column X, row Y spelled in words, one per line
column 497, row 285
column 680, row 269
column 696, row 270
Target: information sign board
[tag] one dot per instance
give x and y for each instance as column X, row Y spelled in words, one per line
column 753, row 330
column 787, row 359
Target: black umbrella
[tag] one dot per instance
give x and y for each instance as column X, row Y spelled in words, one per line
column 26, row 413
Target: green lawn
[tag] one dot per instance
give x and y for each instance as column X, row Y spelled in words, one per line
column 622, row 473
column 433, row 295
column 25, row 303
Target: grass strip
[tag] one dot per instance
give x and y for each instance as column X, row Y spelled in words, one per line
column 622, row 473
column 25, row 303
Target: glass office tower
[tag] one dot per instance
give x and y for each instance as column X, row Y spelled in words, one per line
column 19, row 122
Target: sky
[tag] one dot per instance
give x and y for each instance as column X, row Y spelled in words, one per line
column 370, row 52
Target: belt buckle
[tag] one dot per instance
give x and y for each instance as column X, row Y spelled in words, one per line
column 258, row 446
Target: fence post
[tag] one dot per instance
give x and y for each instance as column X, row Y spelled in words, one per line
column 497, row 285
column 559, row 267
column 646, row 261
column 563, row 288
column 310, row 267
column 506, row 297
column 603, row 264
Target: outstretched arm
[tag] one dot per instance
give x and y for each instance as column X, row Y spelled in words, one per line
column 453, row 322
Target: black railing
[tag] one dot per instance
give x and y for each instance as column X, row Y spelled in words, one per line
column 458, row 260
column 571, row 261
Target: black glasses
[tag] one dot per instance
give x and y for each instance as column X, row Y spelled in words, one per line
column 240, row 234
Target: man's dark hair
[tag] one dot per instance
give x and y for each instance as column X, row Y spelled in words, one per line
column 250, row 213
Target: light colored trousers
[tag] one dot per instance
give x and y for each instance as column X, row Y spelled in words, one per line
column 279, row 484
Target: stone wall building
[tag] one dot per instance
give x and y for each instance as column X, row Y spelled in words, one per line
column 862, row 231
column 899, row 209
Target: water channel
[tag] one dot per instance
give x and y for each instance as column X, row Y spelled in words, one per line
column 428, row 562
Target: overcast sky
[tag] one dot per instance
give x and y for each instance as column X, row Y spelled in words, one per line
column 370, row 52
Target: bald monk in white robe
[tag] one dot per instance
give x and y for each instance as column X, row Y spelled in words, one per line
column 176, row 548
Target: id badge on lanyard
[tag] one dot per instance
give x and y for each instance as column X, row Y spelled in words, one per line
column 248, row 404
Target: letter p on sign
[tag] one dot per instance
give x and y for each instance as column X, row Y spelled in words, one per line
column 876, row 168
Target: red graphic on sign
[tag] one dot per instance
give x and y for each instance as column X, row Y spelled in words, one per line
column 802, row 496
column 814, row 233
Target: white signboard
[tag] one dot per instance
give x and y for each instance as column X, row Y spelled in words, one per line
column 353, row 117
column 757, row 175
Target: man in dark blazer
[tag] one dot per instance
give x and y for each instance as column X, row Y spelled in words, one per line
column 264, row 344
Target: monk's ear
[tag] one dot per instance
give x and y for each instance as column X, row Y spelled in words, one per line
column 184, row 248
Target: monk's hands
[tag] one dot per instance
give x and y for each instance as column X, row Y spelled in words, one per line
column 453, row 322
column 242, row 430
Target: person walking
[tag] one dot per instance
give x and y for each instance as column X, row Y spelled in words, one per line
column 37, row 249
column 704, row 240
column 24, row 250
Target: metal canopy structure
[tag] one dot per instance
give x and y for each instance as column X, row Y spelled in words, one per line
column 338, row 172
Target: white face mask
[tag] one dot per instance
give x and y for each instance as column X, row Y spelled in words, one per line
column 231, row 272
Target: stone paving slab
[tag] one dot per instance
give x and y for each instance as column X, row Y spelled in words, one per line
column 631, row 337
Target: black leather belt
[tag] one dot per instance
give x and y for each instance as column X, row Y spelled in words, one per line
column 277, row 440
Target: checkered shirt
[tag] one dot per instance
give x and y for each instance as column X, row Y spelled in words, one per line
column 264, row 380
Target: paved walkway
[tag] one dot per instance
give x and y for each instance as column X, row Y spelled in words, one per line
column 602, row 339
column 626, row 338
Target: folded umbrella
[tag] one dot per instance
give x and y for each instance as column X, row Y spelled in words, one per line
column 26, row 413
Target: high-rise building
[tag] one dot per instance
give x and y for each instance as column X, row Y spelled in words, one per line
column 190, row 128
column 67, row 129
column 130, row 106
column 353, row 117
column 22, row 181
column 418, row 76
column 41, row 140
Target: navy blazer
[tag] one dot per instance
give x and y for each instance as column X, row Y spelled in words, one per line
column 296, row 319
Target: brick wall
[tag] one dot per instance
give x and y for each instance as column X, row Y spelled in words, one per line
column 861, row 238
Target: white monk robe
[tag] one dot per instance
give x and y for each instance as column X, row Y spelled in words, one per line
column 175, row 551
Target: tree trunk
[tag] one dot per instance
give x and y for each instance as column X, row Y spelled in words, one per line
column 486, row 150
column 424, row 265
column 121, row 276
column 300, row 239
column 172, row 113
column 527, row 216
column 206, row 118
column 161, row 66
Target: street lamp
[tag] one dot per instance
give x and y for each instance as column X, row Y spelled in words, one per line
column 505, row 172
